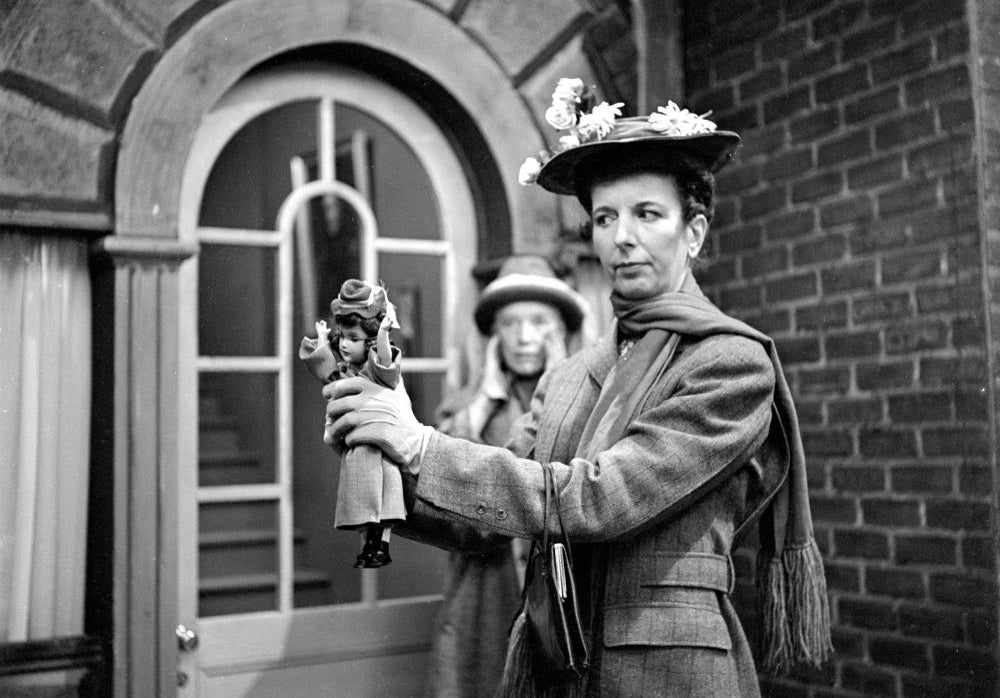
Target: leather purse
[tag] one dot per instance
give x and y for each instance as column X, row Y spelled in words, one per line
column 551, row 607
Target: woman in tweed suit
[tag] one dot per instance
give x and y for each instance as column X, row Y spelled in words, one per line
column 666, row 440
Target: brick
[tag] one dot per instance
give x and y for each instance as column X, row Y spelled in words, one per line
column 905, row 129
column 981, row 629
column 720, row 99
column 766, row 261
column 817, row 187
column 974, row 480
column 912, row 266
column 850, row 147
column 843, row 577
column 958, row 515
column 846, row 209
column 969, row 370
column 882, row 307
column 968, row 333
column 868, row 680
column 810, row 63
column 725, row 212
column 934, row 623
column 874, row 614
column 734, row 180
column 955, row 441
column 836, row 381
column 952, row 41
column 742, row 120
column 958, row 113
column 923, row 16
column 827, row 443
column 852, row 345
column 798, row 350
column 977, row 551
column 974, row 407
column 791, row 288
column 887, row 8
column 791, row 163
column 878, row 235
column 835, row 22
column 920, row 407
column 880, row 103
column 857, row 479
column 890, row 512
column 855, row 411
column 922, row 479
column 842, row 84
column 790, row 225
column 882, row 376
column 740, row 239
column 936, row 86
column 770, row 322
column 942, row 155
column 767, row 80
column 784, row 43
column 836, row 510
column 849, row 277
column 874, row 38
column 741, row 297
column 785, row 104
column 887, row 443
column 955, row 298
column 936, row 687
column 760, row 204
column 965, row 663
column 925, row 550
column 912, row 337
column 822, row 316
column 905, row 654
column 826, row 249
column 809, row 127
column 810, row 413
column 735, row 62
column 766, row 142
column 878, row 172
column 906, row 61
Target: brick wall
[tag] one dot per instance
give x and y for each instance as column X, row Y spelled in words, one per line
column 849, row 230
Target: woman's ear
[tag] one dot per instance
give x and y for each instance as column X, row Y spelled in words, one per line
column 697, row 229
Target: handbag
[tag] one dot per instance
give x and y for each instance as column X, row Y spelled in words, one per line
column 551, row 608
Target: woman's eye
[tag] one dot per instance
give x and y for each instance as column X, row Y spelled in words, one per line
column 602, row 220
column 648, row 215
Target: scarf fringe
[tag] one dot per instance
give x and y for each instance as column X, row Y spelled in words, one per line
column 519, row 679
column 793, row 607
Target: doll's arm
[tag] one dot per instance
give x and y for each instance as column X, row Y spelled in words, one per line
column 318, row 354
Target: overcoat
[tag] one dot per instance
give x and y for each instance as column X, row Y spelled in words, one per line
column 660, row 508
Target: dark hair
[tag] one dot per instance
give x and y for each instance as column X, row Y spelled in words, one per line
column 695, row 184
column 368, row 325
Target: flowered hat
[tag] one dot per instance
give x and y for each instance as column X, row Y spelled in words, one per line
column 596, row 132
column 528, row 278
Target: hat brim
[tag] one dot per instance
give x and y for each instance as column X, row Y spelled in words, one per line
column 520, row 287
column 713, row 150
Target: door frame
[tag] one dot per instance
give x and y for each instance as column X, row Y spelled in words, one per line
column 297, row 634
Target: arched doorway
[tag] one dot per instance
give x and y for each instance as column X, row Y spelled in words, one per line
column 264, row 579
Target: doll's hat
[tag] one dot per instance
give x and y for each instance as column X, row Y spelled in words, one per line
column 529, row 278
column 359, row 298
column 635, row 138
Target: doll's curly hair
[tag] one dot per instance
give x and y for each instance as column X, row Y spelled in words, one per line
column 348, row 321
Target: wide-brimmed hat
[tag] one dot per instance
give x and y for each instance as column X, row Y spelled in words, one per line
column 635, row 137
column 528, row 278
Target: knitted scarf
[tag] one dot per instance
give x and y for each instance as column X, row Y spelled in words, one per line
column 793, row 608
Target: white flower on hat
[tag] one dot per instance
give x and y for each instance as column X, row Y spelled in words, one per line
column 599, row 122
column 570, row 140
column 671, row 120
column 529, row 171
column 560, row 116
column 569, row 90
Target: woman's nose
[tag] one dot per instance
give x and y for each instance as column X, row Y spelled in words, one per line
column 527, row 332
column 624, row 232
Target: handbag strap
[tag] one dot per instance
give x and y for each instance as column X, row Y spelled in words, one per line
column 552, row 500
column 549, row 486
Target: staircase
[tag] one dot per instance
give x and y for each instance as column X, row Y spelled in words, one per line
column 237, row 541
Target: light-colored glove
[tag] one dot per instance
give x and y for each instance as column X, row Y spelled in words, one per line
column 361, row 412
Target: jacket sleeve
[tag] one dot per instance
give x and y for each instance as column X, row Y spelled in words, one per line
column 706, row 418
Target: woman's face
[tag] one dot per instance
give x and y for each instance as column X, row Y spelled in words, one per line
column 524, row 329
column 640, row 234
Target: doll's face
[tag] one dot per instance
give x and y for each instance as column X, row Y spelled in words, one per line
column 351, row 345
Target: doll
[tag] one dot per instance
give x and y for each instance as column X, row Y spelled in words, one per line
column 369, row 497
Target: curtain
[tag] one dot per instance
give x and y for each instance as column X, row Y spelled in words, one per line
column 45, row 367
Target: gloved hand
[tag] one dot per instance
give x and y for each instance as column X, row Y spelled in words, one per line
column 555, row 347
column 361, row 412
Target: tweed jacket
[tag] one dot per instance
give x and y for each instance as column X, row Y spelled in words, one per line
column 661, row 507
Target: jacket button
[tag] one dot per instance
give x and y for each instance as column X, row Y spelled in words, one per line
column 481, row 509
column 501, row 514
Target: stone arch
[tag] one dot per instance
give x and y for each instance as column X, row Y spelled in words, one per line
column 224, row 45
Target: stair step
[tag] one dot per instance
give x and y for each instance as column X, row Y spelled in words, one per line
column 259, row 581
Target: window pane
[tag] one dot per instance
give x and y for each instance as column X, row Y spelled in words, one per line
column 414, row 285
column 236, row 423
column 236, row 300
column 237, row 557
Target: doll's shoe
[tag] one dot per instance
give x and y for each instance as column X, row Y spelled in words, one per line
column 361, row 560
column 379, row 557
